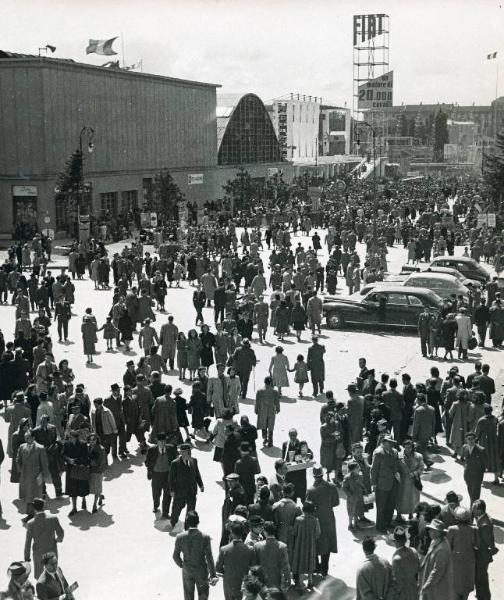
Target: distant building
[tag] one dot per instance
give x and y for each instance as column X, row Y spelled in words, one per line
column 295, row 118
column 334, row 130
column 143, row 123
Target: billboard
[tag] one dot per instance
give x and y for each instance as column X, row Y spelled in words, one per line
column 367, row 27
column 377, row 92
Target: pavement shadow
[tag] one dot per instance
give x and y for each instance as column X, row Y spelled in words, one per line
column 273, row 452
column 118, row 468
column 4, row 524
column 250, row 401
column 162, row 525
column 56, row 504
column 330, row 588
column 84, row 520
column 495, row 490
column 93, row 366
column 436, row 476
column 288, row 400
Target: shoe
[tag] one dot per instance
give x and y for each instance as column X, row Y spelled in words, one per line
column 72, row 512
column 165, row 516
column 95, row 510
column 365, row 520
column 84, row 505
column 100, row 500
column 155, row 509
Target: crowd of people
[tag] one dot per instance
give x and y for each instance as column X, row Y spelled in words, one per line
column 277, row 530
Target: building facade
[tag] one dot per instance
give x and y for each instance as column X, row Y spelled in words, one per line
column 142, row 124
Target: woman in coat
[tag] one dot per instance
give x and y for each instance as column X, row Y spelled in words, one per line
column 463, row 540
column 304, row 555
column 279, row 366
column 194, row 346
column 460, row 414
column 97, row 466
column 126, row 327
column 88, row 329
column 18, row 438
column 435, row 577
column 234, row 391
column 464, row 332
column 298, row 319
column 14, row 414
column 411, row 467
column 282, row 318
column 449, row 328
column 207, row 344
column 75, row 453
column 328, row 444
column 486, row 436
column 181, row 354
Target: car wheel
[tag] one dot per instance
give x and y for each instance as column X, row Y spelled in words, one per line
column 334, row 320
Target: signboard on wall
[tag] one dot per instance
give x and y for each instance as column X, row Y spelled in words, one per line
column 272, row 171
column 84, row 228
column 377, row 92
column 24, row 190
column 195, row 179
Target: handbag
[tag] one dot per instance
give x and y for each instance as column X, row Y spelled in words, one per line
column 369, row 498
column 473, row 342
column 417, row 482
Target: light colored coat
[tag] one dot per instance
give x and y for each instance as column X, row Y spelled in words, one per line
column 464, row 331
column 108, row 421
column 373, row 578
column 168, row 340
column 435, row 578
column 33, row 470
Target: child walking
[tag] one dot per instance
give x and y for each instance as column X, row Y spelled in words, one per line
column 353, row 484
column 301, row 373
column 109, row 332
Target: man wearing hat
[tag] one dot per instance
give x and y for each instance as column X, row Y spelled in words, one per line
column 218, row 392
column 261, row 314
column 267, row 406
column 18, row 573
column 315, row 364
column 33, row 471
column 385, row 478
column 103, row 424
column 325, row 497
column 168, row 340
column 114, row 404
column 405, row 566
column 474, row 458
column 486, row 549
column 234, row 561
column 47, row 436
column 185, row 479
column 464, row 332
column 235, row 495
column 255, row 534
column 158, row 461
column 355, row 413
column 129, row 377
column 244, row 360
column 164, row 414
column 435, row 578
column 247, row 467
column 424, row 427
column 44, row 532
column 425, row 320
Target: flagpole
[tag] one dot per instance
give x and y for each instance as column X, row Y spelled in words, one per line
column 122, row 47
column 496, row 96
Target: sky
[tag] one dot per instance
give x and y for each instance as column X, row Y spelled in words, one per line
column 438, row 48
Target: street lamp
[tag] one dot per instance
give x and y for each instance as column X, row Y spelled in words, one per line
column 86, row 135
column 375, row 199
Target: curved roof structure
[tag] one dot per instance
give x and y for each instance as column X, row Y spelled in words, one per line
column 245, row 133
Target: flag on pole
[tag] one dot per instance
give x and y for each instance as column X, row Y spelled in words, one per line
column 492, row 55
column 103, row 47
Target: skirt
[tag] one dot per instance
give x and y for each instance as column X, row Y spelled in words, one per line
column 96, row 484
column 76, row 487
column 218, row 452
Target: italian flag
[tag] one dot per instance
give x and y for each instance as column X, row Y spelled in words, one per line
column 103, row 47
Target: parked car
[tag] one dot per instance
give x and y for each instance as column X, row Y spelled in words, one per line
column 388, row 306
column 407, row 269
column 444, row 285
column 468, row 267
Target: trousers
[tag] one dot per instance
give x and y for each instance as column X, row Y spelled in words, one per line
column 193, row 577
column 178, row 504
column 161, row 485
column 385, row 504
column 481, row 580
column 318, row 385
column 474, row 487
column 244, row 380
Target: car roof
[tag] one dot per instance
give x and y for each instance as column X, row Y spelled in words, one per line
column 433, row 275
column 403, row 289
column 466, row 259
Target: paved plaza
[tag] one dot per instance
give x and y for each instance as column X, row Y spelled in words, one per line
column 125, row 552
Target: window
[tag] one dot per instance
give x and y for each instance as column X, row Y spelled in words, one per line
column 108, row 203
column 63, row 214
column 147, row 190
column 129, row 199
column 398, row 299
column 414, row 301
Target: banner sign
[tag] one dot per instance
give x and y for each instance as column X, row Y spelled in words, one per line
column 377, row 93
column 24, row 190
column 367, row 27
column 195, row 179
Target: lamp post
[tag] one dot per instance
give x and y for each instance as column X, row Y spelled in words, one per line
column 375, row 199
column 86, row 132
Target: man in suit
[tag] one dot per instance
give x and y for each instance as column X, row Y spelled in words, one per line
column 103, row 424
column 185, row 479
column 261, row 313
column 234, row 561
column 424, row 426
column 485, row 551
column 395, row 403
column 272, row 556
column 474, row 459
column 114, row 404
column 46, row 435
column 158, row 461
column 44, row 532
column 52, row 585
column 199, row 300
column 385, row 478
column 435, row 578
column 374, row 577
column 193, row 554
column 316, row 365
column 425, row 320
column 247, row 467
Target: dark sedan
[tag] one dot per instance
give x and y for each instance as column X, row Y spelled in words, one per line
column 388, row 306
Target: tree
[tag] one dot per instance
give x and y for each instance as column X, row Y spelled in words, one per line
column 166, row 196
column 242, row 190
column 419, row 129
column 68, row 183
column 440, row 136
column 402, row 125
column 493, row 169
